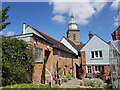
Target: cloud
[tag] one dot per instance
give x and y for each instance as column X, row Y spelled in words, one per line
column 59, row 18
column 115, row 4
column 82, row 11
column 117, row 20
column 10, row 33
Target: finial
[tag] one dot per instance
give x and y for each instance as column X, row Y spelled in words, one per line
column 72, row 15
column 89, row 32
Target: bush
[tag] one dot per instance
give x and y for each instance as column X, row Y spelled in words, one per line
column 69, row 75
column 94, row 82
column 86, row 81
column 65, row 79
column 17, row 61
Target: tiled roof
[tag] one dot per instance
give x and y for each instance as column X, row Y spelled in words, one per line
column 118, row 29
column 57, row 44
column 80, row 46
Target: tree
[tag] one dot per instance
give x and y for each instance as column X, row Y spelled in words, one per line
column 4, row 16
column 43, row 78
column 57, row 69
column 17, row 61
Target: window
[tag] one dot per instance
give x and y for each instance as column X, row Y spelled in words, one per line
column 89, row 69
column 99, row 68
column 96, row 54
column 38, row 54
column 59, row 53
column 74, row 37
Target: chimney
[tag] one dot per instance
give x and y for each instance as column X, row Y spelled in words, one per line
column 24, row 25
column 90, row 35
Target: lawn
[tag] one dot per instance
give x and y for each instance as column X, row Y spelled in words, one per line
column 43, row 87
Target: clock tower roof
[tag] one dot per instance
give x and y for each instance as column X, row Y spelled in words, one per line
column 72, row 20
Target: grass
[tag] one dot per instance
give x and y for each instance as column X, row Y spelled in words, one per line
column 25, row 86
column 43, row 87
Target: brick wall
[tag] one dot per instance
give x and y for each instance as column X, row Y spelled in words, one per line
column 83, row 58
column 65, row 64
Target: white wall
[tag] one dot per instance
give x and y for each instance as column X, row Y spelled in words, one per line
column 96, row 44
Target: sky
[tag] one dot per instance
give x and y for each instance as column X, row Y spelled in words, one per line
column 52, row 17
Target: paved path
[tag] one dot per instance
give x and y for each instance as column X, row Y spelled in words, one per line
column 74, row 83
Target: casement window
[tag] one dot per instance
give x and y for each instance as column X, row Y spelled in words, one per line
column 96, row 54
column 59, row 53
column 99, row 68
column 89, row 69
column 38, row 54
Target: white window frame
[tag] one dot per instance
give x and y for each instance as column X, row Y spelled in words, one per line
column 39, row 56
column 97, row 68
column 89, row 69
column 98, row 53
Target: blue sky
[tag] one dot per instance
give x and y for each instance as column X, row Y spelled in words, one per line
column 52, row 18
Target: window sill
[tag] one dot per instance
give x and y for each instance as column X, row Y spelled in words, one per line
column 38, row 61
column 96, row 58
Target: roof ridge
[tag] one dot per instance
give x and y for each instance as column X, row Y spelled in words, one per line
column 101, row 38
column 43, row 33
column 49, row 37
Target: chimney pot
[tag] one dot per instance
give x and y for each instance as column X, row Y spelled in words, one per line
column 24, row 25
column 90, row 35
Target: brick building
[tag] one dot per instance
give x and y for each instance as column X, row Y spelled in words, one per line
column 116, row 34
column 70, row 54
column 94, row 54
column 46, row 46
column 115, row 59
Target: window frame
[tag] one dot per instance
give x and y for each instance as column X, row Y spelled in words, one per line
column 89, row 68
column 99, row 68
column 38, row 54
column 96, row 54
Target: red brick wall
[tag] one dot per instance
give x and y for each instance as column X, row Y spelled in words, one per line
column 51, row 63
column 83, row 58
column 107, row 70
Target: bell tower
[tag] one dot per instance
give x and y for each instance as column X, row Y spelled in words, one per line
column 73, row 31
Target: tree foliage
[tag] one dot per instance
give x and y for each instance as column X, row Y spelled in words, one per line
column 3, row 17
column 57, row 69
column 18, row 61
column 43, row 78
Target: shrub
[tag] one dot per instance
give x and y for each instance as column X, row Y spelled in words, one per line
column 86, row 81
column 69, row 75
column 66, row 79
column 94, row 82
column 43, row 71
column 17, row 61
